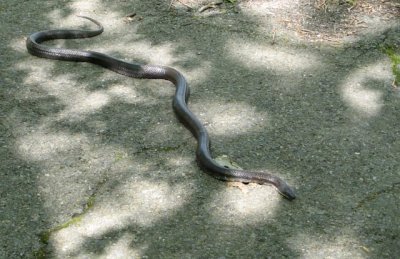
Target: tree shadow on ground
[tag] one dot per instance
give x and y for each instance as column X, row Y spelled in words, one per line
column 339, row 158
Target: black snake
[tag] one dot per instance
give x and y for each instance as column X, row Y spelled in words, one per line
column 204, row 158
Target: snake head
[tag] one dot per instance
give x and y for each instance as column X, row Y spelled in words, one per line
column 286, row 191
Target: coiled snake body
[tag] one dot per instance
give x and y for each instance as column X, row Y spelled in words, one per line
column 180, row 99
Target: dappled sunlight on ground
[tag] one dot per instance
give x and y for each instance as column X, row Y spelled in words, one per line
column 78, row 102
column 41, row 146
column 123, row 247
column 335, row 246
column 96, row 164
column 88, row 104
column 198, row 74
column 141, row 203
column 228, row 119
column 283, row 60
column 71, row 166
column 235, row 207
column 123, row 93
column 180, row 161
column 135, row 51
column 361, row 92
column 84, row 8
column 260, row 7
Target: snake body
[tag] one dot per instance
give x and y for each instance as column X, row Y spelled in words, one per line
column 180, row 99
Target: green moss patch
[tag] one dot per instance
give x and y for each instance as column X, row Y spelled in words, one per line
column 43, row 252
column 395, row 58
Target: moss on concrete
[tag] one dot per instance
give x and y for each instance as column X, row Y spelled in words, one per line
column 395, row 59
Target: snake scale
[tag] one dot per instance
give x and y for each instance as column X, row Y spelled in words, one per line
column 204, row 158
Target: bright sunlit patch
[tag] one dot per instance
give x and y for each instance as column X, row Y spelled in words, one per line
column 360, row 96
column 78, row 102
column 144, row 52
column 233, row 118
column 366, row 102
column 254, row 55
column 82, row 6
column 41, row 146
column 123, row 247
column 262, row 7
column 123, row 93
column 88, row 104
column 135, row 203
column 236, row 207
column 309, row 246
column 180, row 161
column 196, row 75
column 136, row 51
column 36, row 74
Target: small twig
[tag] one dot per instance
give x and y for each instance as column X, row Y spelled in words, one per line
column 188, row 6
column 170, row 4
column 273, row 36
column 131, row 15
column 305, row 30
column 210, row 6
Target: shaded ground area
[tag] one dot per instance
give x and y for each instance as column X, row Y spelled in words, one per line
column 95, row 165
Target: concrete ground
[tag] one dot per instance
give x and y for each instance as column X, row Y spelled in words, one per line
column 95, row 165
